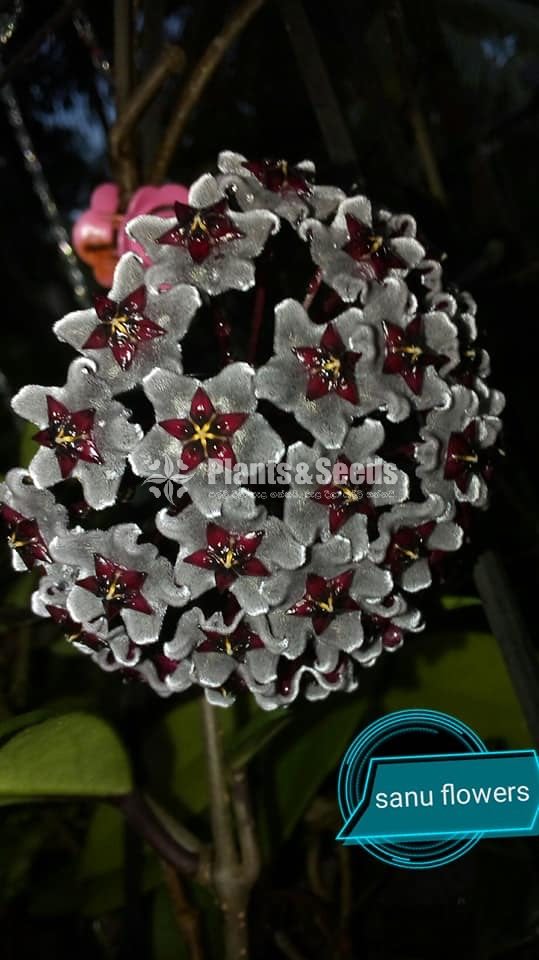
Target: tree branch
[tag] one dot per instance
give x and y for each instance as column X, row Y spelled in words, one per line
column 509, row 628
column 32, row 46
column 324, row 101
column 143, row 819
column 425, row 150
column 228, row 875
column 198, row 80
column 172, row 60
column 185, row 914
column 125, row 166
column 241, row 800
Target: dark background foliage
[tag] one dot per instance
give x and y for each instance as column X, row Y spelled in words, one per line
column 447, row 87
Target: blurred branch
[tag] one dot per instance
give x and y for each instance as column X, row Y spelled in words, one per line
column 508, row 626
column 31, row 47
column 312, row 862
column 151, row 42
column 325, row 104
column 286, row 947
column 143, row 819
column 400, row 44
column 125, row 166
column 198, row 80
column 172, row 60
column 345, row 873
column 185, row 914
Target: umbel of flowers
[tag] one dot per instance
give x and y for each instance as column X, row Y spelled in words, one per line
column 271, row 322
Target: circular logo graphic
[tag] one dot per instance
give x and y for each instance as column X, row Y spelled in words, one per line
column 404, row 732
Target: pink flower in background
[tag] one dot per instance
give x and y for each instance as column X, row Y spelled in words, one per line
column 95, row 233
column 99, row 235
column 159, row 201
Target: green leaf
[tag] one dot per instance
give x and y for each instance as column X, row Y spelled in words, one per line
column 458, row 603
column 106, row 892
column 304, row 763
column 177, row 768
column 28, row 447
column 464, row 675
column 174, row 757
column 104, row 846
column 72, row 755
column 255, row 735
column 20, row 721
column 60, row 896
column 166, row 940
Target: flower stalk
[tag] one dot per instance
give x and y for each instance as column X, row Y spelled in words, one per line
column 232, row 876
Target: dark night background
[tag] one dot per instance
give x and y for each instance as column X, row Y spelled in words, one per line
column 466, row 72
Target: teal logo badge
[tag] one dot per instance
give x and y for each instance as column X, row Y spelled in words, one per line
column 425, row 810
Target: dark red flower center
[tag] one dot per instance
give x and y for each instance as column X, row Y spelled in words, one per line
column 465, row 457
column 334, row 676
column 470, row 359
column 280, row 177
column 236, row 644
column 74, row 631
column 70, row 435
column 229, row 555
column 117, row 586
column 343, row 497
column 407, row 353
column 408, row 545
column 123, row 327
column 164, row 666
column 331, row 367
column 366, row 246
column 325, row 599
column 205, row 434
column 377, row 628
column 199, row 230
column 25, row 537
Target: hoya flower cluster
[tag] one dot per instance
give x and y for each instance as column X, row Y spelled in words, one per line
column 278, row 323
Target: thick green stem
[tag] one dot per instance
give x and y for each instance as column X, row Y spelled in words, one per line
column 229, row 877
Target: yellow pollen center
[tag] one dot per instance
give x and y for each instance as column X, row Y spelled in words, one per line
column 64, row 439
column 201, row 434
column 228, row 560
column 120, row 325
column 413, row 352
column 113, row 589
column 466, row 458
column 375, row 243
column 333, row 366
column 349, row 493
column 228, row 647
column 197, row 223
column 326, row 605
column 408, row 553
column 16, row 544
